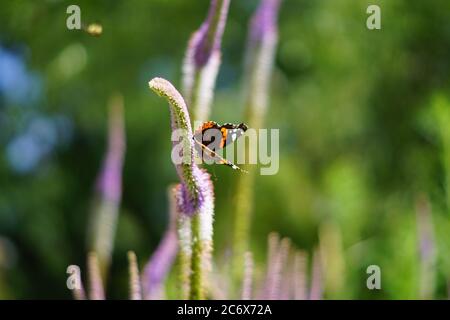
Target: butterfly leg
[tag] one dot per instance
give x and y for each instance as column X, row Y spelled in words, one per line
column 220, row 159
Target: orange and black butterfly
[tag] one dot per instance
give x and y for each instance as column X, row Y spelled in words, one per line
column 211, row 136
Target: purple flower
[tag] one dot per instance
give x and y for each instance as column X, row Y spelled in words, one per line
column 195, row 183
column 208, row 37
column 109, row 183
column 184, row 202
column 161, row 261
column 194, row 197
column 260, row 56
column 264, row 21
column 202, row 61
column 109, row 189
column 159, row 265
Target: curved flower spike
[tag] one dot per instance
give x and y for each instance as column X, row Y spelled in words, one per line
column 194, row 195
column 196, row 184
column 189, row 173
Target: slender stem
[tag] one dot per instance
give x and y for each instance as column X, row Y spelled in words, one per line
column 242, row 220
column 196, row 277
column 185, row 253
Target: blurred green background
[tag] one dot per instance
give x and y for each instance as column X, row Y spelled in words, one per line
column 364, row 119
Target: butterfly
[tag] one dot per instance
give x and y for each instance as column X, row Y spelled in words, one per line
column 211, row 136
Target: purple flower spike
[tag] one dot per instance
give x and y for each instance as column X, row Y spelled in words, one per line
column 109, row 189
column 260, row 56
column 195, row 183
column 194, row 196
column 162, row 259
column 202, row 61
column 205, row 187
column 264, row 22
column 159, row 265
column 208, row 38
column 109, row 183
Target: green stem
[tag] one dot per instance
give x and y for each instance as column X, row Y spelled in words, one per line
column 242, row 220
column 196, row 277
column 185, row 254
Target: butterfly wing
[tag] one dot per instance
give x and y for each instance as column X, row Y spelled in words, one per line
column 204, row 136
column 231, row 132
column 211, row 136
